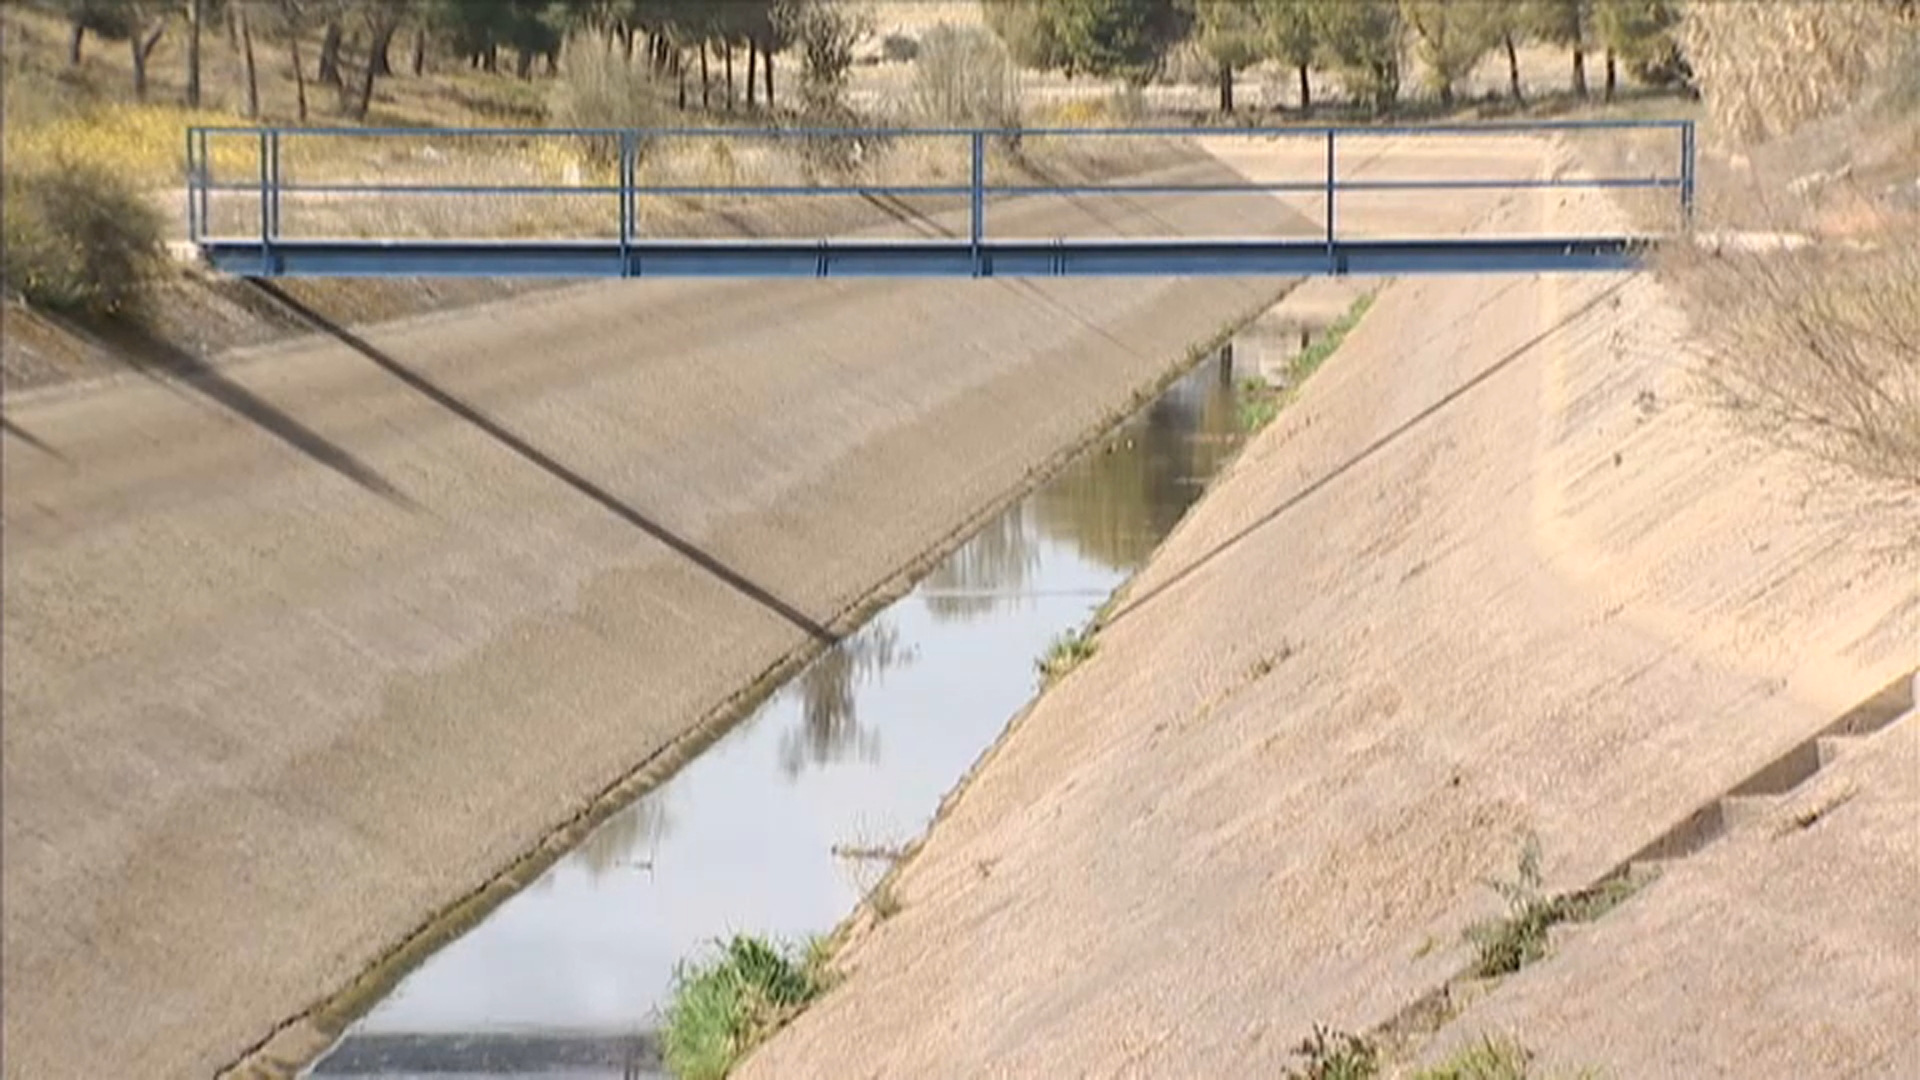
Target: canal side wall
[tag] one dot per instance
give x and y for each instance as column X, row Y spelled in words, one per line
column 300, row 651
column 1496, row 573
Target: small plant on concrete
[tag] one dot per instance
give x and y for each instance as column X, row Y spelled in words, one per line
column 1335, row 1055
column 1065, row 654
column 1488, row 1059
column 1504, row 945
column 1507, row 944
column 725, row 1005
column 884, row 901
column 1494, row 1058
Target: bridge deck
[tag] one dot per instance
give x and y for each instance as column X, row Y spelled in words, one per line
column 265, row 247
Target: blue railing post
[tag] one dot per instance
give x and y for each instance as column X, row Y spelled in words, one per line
column 626, row 202
column 978, row 229
column 273, row 142
column 1332, row 259
column 1687, row 152
column 206, row 185
column 266, row 205
column 193, row 192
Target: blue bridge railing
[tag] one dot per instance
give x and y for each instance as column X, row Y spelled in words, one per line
column 380, row 202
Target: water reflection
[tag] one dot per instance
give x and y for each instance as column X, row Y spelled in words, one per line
column 830, row 728
column 1121, row 502
column 588, row 952
column 988, row 572
column 626, row 841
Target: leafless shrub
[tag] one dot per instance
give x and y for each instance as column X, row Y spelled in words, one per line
column 1766, row 68
column 602, row 88
column 826, row 34
column 1817, row 348
column 1813, row 342
column 964, row 78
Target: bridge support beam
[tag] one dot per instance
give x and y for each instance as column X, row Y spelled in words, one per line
column 1005, row 258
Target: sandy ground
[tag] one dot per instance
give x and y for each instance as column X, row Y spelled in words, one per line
column 1496, row 572
column 302, row 651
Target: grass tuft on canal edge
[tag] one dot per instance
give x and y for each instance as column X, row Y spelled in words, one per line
column 1261, row 402
column 726, row 1003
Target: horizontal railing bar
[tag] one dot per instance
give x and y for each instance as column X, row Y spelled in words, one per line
column 990, row 189
column 1320, row 188
column 1506, row 185
column 583, row 189
column 1509, row 127
column 641, row 246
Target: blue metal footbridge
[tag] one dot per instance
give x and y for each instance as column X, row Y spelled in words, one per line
column 576, row 202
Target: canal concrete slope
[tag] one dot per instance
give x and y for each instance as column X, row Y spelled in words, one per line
column 302, row 650
column 1496, row 572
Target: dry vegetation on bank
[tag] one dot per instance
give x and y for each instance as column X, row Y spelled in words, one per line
column 1813, row 330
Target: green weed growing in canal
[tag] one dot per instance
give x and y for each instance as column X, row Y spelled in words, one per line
column 1260, row 402
column 1066, row 653
column 1336, row 1055
column 1506, row 944
column 723, row 1006
column 1489, row 1059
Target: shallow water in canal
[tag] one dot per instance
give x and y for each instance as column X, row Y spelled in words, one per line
column 566, row 978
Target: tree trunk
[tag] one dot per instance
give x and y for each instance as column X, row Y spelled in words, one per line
column 139, row 68
column 196, row 15
column 1579, row 72
column 726, row 59
column 753, row 70
column 523, row 64
column 377, row 59
column 1226, row 89
column 1513, row 70
column 246, row 57
column 299, row 77
column 330, row 54
column 626, row 37
column 419, row 52
column 766, row 66
column 142, row 50
column 706, row 78
column 74, row 42
column 363, row 102
column 680, row 77
column 1612, row 76
column 1306, row 88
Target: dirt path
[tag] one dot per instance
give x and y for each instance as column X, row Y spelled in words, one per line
column 1495, row 572
column 300, row 652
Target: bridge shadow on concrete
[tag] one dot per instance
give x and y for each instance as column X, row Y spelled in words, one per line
column 1135, row 604
column 165, row 362
column 559, row 471
column 28, row 437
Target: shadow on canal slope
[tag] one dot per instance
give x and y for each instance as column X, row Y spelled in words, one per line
column 420, row 383
column 1136, row 603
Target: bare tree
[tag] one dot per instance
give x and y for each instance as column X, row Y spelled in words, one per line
column 196, row 16
column 247, row 60
column 149, row 26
